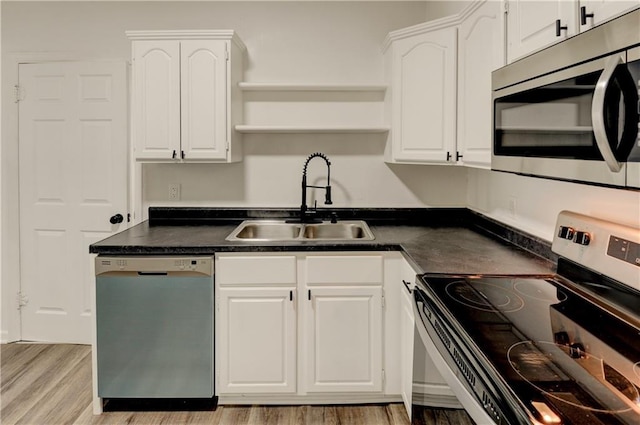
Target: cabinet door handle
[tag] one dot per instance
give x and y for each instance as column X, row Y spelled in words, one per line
column 559, row 28
column 309, row 294
column 182, row 154
column 584, row 15
column 458, row 156
column 448, row 156
column 407, row 285
column 290, row 295
column 173, row 156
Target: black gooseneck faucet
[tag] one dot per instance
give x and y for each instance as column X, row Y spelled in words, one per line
column 304, row 218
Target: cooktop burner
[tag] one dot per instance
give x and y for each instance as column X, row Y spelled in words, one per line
column 485, row 296
column 538, row 292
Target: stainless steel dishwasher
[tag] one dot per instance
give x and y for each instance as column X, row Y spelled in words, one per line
column 155, row 322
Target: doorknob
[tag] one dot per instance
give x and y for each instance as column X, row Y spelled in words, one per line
column 115, row 219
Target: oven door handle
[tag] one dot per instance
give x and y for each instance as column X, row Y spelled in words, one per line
column 605, row 145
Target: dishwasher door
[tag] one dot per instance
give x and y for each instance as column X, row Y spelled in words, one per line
column 155, row 322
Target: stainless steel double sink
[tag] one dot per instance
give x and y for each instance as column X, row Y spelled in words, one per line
column 279, row 230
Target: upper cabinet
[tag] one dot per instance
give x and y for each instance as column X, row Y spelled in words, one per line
column 423, row 96
column 186, row 99
column 596, row 12
column 480, row 51
column 440, row 87
column 535, row 24
column 532, row 25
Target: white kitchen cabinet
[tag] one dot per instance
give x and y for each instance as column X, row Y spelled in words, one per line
column 421, row 63
column 480, row 51
column 602, row 11
column 343, row 332
column 185, row 97
column 533, row 25
column 440, row 79
column 299, row 324
column 407, row 329
column 257, row 342
column 256, row 323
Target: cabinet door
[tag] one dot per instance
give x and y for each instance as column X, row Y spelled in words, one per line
column 480, row 50
column 204, row 99
column 156, row 99
column 603, row 10
column 424, row 97
column 343, row 331
column 256, row 341
column 531, row 25
column 407, row 324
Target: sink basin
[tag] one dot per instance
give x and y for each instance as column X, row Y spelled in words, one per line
column 278, row 230
column 345, row 230
column 266, row 231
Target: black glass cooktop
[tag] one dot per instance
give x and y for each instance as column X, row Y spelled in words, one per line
column 566, row 353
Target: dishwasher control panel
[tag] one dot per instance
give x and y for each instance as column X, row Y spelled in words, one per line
column 152, row 264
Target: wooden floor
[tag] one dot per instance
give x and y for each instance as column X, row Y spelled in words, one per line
column 50, row 384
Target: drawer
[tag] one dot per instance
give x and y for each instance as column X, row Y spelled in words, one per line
column 349, row 269
column 256, row 270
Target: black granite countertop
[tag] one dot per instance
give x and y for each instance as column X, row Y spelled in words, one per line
column 449, row 241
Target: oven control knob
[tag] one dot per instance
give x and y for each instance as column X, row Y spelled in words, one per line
column 576, row 351
column 566, row 232
column 582, row 238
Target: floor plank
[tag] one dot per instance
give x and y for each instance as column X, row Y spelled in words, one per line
column 51, row 384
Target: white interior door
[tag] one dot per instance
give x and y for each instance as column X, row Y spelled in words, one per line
column 73, row 179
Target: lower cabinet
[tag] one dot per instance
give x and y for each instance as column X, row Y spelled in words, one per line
column 299, row 324
column 343, row 339
column 407, row 330
column 257, row 343
column 324, row 328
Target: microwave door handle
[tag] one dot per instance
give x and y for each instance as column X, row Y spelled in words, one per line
column 597, row 114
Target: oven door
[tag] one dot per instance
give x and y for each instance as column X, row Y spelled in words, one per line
column 578, row 124
column 458, row 366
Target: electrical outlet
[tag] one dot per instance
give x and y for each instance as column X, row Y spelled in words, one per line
column 174, row 192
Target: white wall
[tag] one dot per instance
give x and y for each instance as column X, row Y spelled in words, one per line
column 532, row 204
column 270, row 176
column 325, row 42
column 437, row 9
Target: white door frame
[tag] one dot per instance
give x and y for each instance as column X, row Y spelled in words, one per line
column 10, row 324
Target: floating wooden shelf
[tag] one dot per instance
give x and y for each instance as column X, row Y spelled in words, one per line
column 246, row 86
column 569, row 129
column 248, row 129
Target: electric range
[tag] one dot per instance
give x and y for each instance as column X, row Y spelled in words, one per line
column 561, row 348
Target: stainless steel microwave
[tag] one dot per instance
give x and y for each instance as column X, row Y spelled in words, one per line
column 570, row 111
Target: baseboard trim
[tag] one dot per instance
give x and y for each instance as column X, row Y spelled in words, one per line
column 338, row 398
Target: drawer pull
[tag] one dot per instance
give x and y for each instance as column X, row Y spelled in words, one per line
column 407, row 285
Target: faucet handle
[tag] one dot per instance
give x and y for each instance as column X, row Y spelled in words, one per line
column 327, row 195
column 334, row 217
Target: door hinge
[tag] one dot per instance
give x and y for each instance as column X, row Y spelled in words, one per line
column 506, row 6
column 18, row 93
column 226, row 53
column 22, row 299
column 227, row 145
column 383, row 300
column 384, row 379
